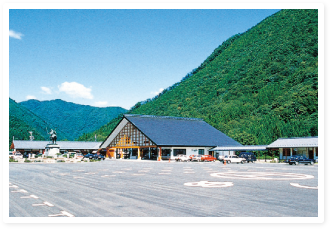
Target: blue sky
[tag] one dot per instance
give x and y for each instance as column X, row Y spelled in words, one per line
column 113, row 57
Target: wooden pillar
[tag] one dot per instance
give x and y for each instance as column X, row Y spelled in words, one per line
column 108, row 153
column 160, row 154
column 139, row 157
column 121, row 153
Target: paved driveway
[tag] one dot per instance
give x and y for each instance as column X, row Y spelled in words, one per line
column 126, row 188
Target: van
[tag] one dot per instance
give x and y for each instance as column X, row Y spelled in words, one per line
column 250, row 157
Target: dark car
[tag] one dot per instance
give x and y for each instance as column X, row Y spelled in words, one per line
column 89, row 155
column 295, row 159
column 99, row 157
column 250, row 157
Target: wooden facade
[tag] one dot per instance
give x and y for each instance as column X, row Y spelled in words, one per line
column 131, row 137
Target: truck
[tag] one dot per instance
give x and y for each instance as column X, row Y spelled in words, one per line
column 250, row 157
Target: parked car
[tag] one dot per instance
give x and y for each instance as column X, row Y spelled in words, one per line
column 89, row 155
column 296, row 159
column 221, row 157
column 99, row 157
column 181, row 158
column 79, row 156
column 208, row 158
column 234, row 159
column 249, row 157
column 16, row 156
column 196, row 158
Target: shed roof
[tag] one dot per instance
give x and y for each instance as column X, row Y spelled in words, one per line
column 179, row 131
column 294, row 142
column 21, row 144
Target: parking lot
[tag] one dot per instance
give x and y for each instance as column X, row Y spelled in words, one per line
column 128, row 188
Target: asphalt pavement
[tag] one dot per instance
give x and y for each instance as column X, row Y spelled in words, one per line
column 131, row 188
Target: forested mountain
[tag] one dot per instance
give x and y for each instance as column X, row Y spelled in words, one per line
column 73, row 119
column 22, row 120
column 255, row 87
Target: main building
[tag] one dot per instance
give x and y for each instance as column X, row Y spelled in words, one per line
column 162, row 137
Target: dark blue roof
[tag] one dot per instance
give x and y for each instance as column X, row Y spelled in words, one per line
column 178, row 131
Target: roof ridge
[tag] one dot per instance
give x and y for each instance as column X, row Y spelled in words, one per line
column 163, row 117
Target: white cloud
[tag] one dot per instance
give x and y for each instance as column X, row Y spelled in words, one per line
column 14, row 34
column 101, row 103
column 157, row 92
column 46, row 90
column 29, row 97
column 75, row 90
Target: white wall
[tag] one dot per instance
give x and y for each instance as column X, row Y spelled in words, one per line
column 189, row 150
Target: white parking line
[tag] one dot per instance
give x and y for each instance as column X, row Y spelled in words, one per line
column 64, row 174
column 77, row 177
column 90, row 173
column 13, row 186
column 209, row 184
column 44, row 204
column 136, row 174
column 31, row 196
column 163, row 173
column 302, row 186
column 21, row 190
column 63, row 213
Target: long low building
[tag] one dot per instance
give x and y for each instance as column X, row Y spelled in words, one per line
column 306, row 146
column 70, row 146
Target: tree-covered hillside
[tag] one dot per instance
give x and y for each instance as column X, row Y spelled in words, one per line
column 255, row 87
column 73, row 119
column 22, row 120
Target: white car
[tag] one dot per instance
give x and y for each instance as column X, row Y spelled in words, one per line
column 16, row 156
column 196, row 158
column 234, row 159
column 79, row 156
column 182, row 158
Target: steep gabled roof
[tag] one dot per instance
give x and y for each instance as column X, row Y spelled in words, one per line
column 178, row 131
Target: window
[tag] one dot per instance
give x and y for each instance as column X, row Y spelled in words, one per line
column 166, row 152
column 286, row 152
column 179, row 152
column 200, row 151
